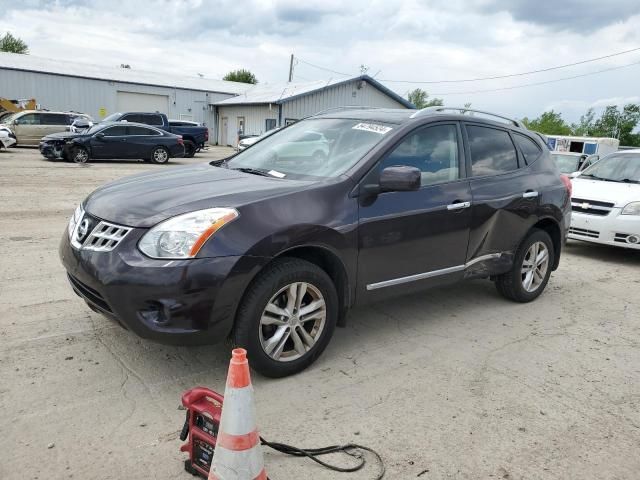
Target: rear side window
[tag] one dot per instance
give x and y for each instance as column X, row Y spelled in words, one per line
column 528, row 147
column 492, row 151
column 54, row 119
column 134, row 118
column 151, row 119
column 116, row 131
column 133, row 130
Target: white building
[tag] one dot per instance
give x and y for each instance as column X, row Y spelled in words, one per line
column 227, row 108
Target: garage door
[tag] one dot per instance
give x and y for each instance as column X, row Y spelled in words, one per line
column 142, row 102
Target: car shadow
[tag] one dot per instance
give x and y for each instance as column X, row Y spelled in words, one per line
column 604, row 253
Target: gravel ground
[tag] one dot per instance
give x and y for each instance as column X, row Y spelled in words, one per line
column 452, row 383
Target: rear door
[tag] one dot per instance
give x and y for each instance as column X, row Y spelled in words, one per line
column 114, row 143
column 505, row 193
column 141, row 141
column 408, row 240
column 53, row 123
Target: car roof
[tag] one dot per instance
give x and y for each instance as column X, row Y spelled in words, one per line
column 403, row 116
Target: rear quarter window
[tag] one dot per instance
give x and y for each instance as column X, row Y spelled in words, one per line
column 530, row 149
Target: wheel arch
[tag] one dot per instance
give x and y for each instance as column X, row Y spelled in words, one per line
column 551, row 226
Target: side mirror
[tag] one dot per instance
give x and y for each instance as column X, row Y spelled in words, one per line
column 400, row 178
column 100, row 135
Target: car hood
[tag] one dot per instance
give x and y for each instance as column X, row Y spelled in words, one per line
column 62, row 136
column 146, row 199
column 617, row 193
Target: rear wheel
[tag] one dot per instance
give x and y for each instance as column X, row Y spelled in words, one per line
column 189, row 149
column 80, row 155
column 531, row 269
column 287, row 317
column 159, row 155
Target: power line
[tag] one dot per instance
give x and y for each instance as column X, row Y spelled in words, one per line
column 495, row 77
column 536, row 83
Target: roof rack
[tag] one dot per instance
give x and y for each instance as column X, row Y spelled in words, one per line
column 464, row 110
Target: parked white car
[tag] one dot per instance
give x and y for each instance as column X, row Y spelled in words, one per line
column 7, row 138
column 606, row 201
column 247, row 142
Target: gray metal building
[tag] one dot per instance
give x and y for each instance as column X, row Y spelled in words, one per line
column 264, row 107
column 227, row 108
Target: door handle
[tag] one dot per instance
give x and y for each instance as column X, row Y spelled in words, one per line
column 458, row 205
column 530, row 194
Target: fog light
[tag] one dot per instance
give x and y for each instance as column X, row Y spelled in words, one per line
column 633, row 239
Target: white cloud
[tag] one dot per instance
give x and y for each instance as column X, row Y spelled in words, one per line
column 415, row 40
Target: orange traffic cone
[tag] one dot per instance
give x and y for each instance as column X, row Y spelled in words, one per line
column 238, row 455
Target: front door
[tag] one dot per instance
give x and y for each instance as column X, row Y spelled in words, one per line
column 114, row 143
column 408, row 240
column 28, row 129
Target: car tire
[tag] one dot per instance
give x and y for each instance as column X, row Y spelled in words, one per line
column 281, row 348
column 79, row 155
column 531, row 269
column 160, row 155
column 189, row 149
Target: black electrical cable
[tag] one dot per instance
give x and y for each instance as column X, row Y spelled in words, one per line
column 351, row 449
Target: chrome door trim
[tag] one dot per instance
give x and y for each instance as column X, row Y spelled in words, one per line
column 413, row 278
column 458, row 206
column 482, row 258
column 431, row 274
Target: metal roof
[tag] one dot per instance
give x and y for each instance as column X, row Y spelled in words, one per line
column 31, row 63
column 285, row 92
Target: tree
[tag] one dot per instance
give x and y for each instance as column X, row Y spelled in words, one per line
column 550, row 123
column 420, row 99
column 620, row 125
column 241, row 75
column 11, row 44
column 585, row 126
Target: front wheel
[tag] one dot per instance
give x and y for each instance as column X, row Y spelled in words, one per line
column 287, row 317
column 531, row 269
column 159, row 155
column 80, row 155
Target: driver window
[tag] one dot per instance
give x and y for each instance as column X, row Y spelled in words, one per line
column 29, row 119
column 432, row 150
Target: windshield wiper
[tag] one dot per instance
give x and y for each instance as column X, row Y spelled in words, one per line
column 628, row 180
column 595, row 177
column 253, row 171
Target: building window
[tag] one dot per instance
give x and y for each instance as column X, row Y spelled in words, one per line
column 269, row 124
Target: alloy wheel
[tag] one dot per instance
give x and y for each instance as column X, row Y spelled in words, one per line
column 534, row 266
column 81, row 156
column 160, row 155
column 292, row 321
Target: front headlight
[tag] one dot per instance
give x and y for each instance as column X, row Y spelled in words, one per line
column 183, row 236
column 75, row 218
column 632, row 208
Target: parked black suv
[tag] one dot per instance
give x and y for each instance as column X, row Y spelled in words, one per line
column 272, row 246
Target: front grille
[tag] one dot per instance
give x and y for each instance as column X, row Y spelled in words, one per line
column 591, row 207
column 584, row 232
column 97, row 235
column 89, row 293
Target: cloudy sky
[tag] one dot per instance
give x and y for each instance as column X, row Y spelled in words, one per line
column 412, row 41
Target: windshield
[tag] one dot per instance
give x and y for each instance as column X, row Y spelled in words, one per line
column 316, row 148
column 8, row 118
column 616, row 168
column 566, row 163
column 112, row 118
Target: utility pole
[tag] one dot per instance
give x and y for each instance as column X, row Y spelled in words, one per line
column 291, row 69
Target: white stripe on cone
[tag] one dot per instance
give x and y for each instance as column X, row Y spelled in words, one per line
column 238, row 411
column 230, row 465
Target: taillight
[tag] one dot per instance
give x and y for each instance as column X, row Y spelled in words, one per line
column 567, row 183
column 180, row 141
column 206, row 135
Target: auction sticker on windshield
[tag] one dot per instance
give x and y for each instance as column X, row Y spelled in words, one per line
column 372, row 127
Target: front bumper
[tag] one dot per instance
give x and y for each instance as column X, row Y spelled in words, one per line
column 179, row 302
column 612, row 229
